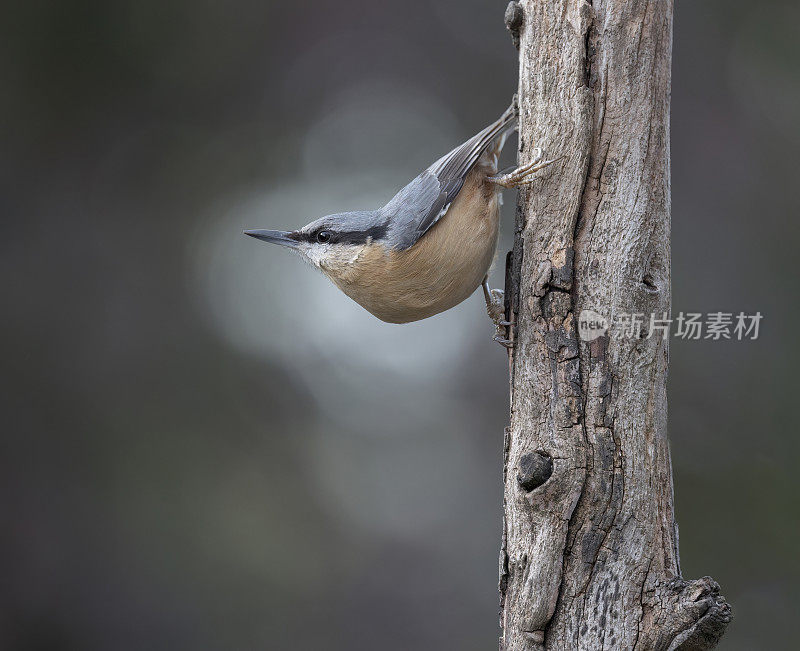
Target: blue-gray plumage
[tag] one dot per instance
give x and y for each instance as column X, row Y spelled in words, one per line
column 425, row 200
column 430, row 246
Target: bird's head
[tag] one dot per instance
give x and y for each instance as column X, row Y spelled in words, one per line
column 333, row 243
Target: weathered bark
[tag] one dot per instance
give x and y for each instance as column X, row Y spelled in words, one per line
column 590, row 554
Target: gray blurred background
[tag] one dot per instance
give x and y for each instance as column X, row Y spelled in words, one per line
column 206, row 446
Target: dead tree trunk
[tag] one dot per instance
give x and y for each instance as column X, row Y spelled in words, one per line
column 590, row 554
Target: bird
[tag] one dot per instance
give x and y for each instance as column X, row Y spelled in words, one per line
column 431, row 246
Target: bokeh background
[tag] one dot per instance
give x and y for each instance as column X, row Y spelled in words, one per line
column 206, row 446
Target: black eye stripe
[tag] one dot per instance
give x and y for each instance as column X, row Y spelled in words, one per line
column 375, row 233
column 361, row 237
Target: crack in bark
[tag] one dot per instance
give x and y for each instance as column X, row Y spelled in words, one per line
column 641, row 603
column 588, row 64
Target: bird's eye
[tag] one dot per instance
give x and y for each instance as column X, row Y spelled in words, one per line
column 323, row 237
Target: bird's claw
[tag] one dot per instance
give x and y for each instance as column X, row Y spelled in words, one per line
column 523, row 175
column 496, row 308
column 506, row 343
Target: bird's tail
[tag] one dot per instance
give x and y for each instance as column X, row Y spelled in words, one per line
column 497, row 132
column 459, row 161
column 500, row 128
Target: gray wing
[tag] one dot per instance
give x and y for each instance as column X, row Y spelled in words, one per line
column 425, row 200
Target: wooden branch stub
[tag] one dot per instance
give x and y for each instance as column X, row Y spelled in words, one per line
column 694, row 615
column 514, row 18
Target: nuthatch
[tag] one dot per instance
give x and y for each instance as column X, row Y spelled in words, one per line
column 431, row 246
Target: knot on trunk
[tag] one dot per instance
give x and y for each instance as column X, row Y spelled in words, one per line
column 535, row 468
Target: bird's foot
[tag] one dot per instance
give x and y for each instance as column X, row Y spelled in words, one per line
column 523, row 175
column 495, row 305
column 496, row 308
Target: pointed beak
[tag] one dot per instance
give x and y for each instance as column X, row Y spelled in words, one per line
column 274, row 237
